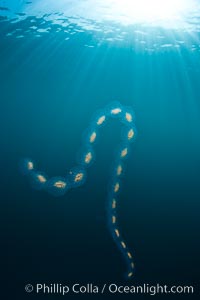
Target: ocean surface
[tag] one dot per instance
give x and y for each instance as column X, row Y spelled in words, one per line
column 60, row 62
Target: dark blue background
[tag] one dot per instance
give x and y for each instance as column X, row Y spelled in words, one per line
column 49, row 92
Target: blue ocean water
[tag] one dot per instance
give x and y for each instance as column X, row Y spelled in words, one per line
column 56, row 70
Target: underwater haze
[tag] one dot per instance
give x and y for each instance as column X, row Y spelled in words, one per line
column 60, row 62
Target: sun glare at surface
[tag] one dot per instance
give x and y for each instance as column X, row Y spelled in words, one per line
column 163, row 13
column 151, row 11
column 179, row 14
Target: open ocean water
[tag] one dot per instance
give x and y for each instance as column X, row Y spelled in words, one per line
column 60, row 62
